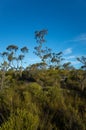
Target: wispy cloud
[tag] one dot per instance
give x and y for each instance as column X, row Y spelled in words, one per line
column 67, row 51
column 79, row 38
column 75, row 62
column 71, row 57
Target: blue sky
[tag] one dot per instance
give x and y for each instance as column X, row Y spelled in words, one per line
column 64, row 19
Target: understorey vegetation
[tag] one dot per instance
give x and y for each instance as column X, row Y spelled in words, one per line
column 49, row 95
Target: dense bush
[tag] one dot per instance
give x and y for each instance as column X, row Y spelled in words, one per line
column 42, row 104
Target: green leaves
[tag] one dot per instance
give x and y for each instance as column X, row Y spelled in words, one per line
column 12, row 48
column 24, row 50
column 21, row 120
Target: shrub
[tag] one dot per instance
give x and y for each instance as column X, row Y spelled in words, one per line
column 21, row 120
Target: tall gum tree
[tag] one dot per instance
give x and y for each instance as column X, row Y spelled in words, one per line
column 83, row 78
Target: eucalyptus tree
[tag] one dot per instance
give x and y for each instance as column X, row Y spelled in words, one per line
column 43, row 52
column 39, row 36
column 56, row 59
column 20, row 58
column 4, row 66
column 12, row 55
column 82, row 60
column 4, row 55
column 40, row 39
column 47, row 56
column 4, row 63
column 11, row 58
column 68, row 66
column 24, row 51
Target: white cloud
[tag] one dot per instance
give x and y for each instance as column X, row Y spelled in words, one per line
column 67, row 51
column 70, row 57
column 81, row 37
column 75, row 62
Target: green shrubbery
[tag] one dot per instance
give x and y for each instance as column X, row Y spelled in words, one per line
column 21, row 120
column 26, row 105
